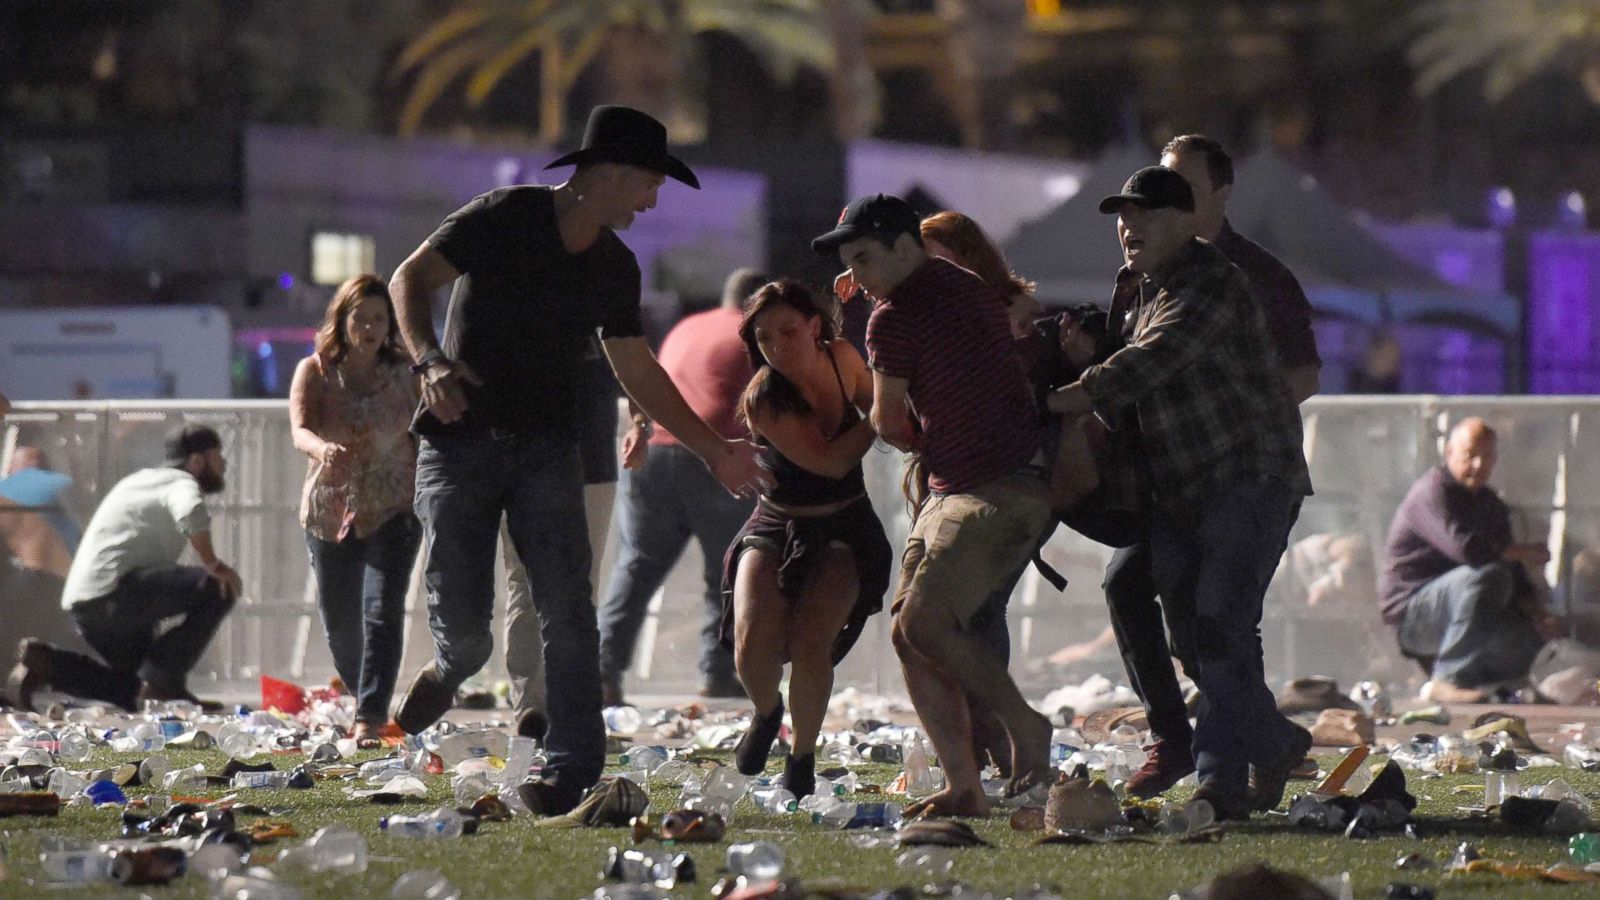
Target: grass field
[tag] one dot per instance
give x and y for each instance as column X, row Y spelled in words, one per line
column 517, row 860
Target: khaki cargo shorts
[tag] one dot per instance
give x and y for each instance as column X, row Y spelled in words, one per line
column 963, row 547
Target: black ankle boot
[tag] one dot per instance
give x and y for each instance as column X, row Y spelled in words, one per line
column 756, row 745
column 800, row 775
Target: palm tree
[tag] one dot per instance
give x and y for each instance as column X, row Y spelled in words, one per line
column 1511, row 41
column 646, row 50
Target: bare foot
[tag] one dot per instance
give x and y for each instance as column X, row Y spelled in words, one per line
column 949, row 802
column 1030, row 754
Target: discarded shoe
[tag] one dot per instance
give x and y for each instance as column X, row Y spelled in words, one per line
column 1342, row 728
column 1077, row 803
column 1313, row 694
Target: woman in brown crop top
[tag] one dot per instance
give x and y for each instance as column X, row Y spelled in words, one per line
column 812, row 563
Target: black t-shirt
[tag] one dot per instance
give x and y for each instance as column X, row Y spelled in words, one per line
column 525, row 309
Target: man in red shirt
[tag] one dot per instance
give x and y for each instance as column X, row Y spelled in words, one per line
column 667, row 495
column 939, row 342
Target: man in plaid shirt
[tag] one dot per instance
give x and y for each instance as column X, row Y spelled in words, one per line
column 1218, row 436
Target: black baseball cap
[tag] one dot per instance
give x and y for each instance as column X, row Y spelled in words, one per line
column 1152, row 187
column 875, row 215
column 190, row 439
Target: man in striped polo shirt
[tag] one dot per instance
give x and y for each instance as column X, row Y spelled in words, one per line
column 948, row 386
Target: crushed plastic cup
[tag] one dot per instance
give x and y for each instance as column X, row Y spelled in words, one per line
column 253, row 884
column 644, row 757
column 724, row 783
column 758, row 862
column 673, row 771
column 152, row 769
column 428, row 884
column 932, row 863
column 1497, row 786
column 215, row 861
column 190, row 778
column 337, row 848
column 65, row 784
column 1186, row 818
column 468, row 788
column 520, row 753
column 841, row 754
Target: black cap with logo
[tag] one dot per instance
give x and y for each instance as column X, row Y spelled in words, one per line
column 875, row 215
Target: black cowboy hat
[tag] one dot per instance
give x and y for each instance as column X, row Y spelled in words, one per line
column 620, row 134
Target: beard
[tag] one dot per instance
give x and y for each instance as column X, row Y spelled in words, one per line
column 210, row 482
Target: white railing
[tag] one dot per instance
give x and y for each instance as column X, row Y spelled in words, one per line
column 1364, row 453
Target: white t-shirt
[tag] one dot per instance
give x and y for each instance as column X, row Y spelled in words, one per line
column 145, row 522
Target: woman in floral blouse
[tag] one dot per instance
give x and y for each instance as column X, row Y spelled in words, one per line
column 350, row 411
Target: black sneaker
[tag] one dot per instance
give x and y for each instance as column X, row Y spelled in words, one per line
column 756, row 744
column 546, row 798
column 1267, row 781
column 800, row 775
column 426, row 701
column 611, row 691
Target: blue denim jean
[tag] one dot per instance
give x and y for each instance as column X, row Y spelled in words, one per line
column 1217, row 562
column 660, row 505
column 1467, row 619
column 465, row 484
column 361, row 591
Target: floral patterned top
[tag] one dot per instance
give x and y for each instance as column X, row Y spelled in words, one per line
column 375, row 425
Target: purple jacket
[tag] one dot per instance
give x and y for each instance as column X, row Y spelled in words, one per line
column 1439, row 526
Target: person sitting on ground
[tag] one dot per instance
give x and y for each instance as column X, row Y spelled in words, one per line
column 812, row 563
column 1454, row 587
column 125, row 582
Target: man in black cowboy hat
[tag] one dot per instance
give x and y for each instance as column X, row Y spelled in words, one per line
column 538, row 271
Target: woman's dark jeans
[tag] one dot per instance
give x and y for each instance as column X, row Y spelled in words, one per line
column 361, row 590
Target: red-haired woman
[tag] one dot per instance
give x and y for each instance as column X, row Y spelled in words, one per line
column 350, row 410
column 812, row 563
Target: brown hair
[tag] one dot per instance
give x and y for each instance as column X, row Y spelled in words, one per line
column 769, row 388
column 974, row 250
column 332, row 344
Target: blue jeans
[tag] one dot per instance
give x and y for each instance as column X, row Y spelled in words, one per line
column 1466, row 619
column 465, row 483
column 1218, row 563
column 361, row 591
column 660, row 505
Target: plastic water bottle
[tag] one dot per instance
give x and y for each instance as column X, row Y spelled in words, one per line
column 1584, row 848
column 379, row 771
column 427, row 884
column 77, row 865
column 647, row 758
column 758, row 862
column 725, row 784
column 829, row 810
column 441, row 823
column 775, row 800
column 622, row 719
column 236, row 741
column 144, row 737
column 673, row 771
column 875, row 815
column 192, row 778
column 273, row 780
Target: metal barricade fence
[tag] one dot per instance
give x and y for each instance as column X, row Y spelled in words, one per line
column 1364, row 454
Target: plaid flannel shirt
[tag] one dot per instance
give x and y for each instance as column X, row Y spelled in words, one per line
column 1201, row 381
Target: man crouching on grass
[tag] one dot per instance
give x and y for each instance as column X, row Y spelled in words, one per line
column 939, row 341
